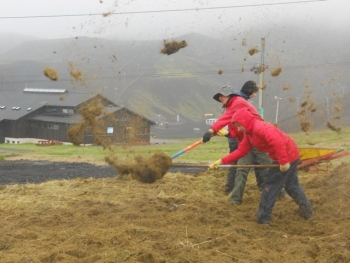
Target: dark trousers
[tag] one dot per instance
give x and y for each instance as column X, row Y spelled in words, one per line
column 231, row 175
column 272, row 186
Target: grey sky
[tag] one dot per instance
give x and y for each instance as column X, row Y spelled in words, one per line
column 135, row 19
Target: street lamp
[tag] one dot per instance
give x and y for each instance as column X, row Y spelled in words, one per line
column 278, row 102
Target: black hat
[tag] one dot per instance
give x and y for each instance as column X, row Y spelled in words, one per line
column 249, row 88
column 224, row 91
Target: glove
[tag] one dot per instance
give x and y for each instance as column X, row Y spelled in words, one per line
column 285, row 167
column 215, row 164
column 207, row 136
column 222, row 132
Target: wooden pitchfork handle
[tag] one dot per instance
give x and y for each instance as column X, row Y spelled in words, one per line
column 198, row 165
column 187, row 148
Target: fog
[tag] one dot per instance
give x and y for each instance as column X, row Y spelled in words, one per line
column 164, row 19
column 308, row 39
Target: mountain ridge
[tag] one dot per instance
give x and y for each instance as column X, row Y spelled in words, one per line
column 137, row 75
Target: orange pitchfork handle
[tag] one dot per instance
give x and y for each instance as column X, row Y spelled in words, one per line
column 187, row 148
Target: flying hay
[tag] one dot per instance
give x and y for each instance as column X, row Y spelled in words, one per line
column 51, row 73
column 143, row 170
column 276, row 72
column 253, row 51
column 332, row 127
column 172, row 46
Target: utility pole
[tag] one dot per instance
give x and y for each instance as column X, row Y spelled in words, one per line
column 260, row 69
column 278, row 102
column 261, row 78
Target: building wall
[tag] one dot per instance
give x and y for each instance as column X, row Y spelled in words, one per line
column 48, row 130
column 2, row 132
column 123, row 126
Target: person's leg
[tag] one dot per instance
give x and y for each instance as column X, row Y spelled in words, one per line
column 230, row 180
column 272, row 186
column 241, row 179
column 295, row 190
column 260, row 173
column 231, row 175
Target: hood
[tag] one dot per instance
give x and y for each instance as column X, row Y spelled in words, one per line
column 245, row 118
column 241, row 94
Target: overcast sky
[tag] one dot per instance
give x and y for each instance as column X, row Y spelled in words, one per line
column 165, row 19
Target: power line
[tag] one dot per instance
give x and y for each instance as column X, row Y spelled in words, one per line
column 164, row 11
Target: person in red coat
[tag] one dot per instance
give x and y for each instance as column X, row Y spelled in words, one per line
column 231, row 101
column 282, row 150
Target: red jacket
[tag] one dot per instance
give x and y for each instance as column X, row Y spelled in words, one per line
column 235, row 103
column 265, row 137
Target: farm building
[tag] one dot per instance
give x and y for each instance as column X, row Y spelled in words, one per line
column 47, row 114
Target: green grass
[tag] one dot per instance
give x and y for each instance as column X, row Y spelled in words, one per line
column 208, row 152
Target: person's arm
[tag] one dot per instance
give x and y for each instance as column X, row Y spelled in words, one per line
column 277, row 142
column 242, row 150
column 221, row 122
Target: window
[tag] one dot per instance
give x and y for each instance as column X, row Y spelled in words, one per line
column 50, row 110
column 68, row 111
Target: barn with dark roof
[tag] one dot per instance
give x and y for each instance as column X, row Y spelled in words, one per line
column 47, row 114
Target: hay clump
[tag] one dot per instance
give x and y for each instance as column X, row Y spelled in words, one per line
column 333, row 127
column 143, row 170
column 276, row 72
column 286, row 87
column 76, row 74
column 51, row 73
column 171, row 47
column 253, row 51
column 95, row 118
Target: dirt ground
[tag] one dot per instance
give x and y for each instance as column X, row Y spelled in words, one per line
column 68, row 216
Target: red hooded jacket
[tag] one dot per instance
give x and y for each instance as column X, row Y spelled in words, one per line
column 263, row 136
column 234, row 104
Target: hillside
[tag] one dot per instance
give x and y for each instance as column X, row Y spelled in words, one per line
column 137, row 75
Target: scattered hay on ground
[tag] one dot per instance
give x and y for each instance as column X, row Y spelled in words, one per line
column 181, row 218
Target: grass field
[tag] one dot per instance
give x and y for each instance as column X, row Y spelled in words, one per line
column 180, row 218
column 211, row 151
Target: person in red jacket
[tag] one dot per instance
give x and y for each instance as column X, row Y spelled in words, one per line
column 282, row 150
column 231, row 101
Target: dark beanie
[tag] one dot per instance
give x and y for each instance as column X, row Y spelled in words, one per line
column 249, row 88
